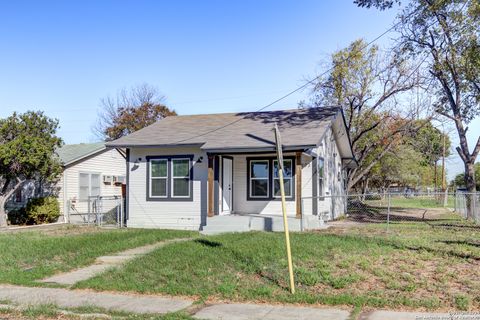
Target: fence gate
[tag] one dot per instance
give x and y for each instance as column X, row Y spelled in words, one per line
column 104, row 211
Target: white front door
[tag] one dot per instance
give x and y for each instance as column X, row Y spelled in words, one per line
column 227, row 175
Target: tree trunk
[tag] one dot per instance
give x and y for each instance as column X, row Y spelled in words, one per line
column 4, row 198
column 471, row 189
column 3, row 214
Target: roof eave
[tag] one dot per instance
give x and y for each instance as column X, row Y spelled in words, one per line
column 135, row 145
column 257, row 149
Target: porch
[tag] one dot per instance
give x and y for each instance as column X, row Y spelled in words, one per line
column 247, row 182
column 243, row 192
column 260, row 222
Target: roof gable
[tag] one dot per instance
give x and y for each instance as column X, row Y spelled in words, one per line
column 70, row 153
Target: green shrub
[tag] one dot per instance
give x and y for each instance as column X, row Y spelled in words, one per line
column 42, row 210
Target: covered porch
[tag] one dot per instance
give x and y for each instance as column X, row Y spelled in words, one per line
column 243, row 191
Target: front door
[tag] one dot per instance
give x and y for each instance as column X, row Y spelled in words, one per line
column 227, row 176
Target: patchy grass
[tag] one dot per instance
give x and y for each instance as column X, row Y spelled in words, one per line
column 29, row 256
column 415, row 265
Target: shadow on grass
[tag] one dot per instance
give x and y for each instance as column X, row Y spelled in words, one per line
column 436, row 251
column 467, row 242
column 208, row 243
column 359, row 211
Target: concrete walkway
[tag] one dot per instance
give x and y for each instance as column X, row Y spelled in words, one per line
column 135, row 303
column 244, row 311
column 65, row 298
column 105, row 262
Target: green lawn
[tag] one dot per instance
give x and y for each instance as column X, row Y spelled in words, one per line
column 415, row 265
column 29, row 256
column 419, row 202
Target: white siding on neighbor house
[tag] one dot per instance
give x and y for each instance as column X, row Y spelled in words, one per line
column 166, row 214
column 108, row 162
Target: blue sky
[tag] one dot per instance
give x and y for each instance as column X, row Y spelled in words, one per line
column 204, row 56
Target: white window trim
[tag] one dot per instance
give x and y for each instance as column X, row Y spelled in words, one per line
column 284, row 178
column 267, row 178
column 151, row 178
column 180, row 177
column 89, row 184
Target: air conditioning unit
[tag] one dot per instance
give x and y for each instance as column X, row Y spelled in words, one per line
column 108, row 179
column 120, row 179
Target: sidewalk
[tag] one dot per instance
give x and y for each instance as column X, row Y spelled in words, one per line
column 105, row 262
column 135, row 303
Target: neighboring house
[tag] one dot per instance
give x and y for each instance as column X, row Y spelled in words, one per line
column 197, row 171
column 89, row 170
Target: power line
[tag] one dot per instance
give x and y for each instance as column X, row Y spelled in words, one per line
column 308, row 83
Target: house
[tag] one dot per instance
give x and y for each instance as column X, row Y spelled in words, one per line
column 218, row 172
column 89, row 170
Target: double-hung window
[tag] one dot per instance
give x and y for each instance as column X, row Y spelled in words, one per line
column 158, row 178
column 259, row 178
column 321, row 177
column 180, row 178
column 263, row 182
column 169, row 178
column 287, row 178
column 89, row 185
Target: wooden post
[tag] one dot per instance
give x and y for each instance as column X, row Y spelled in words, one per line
column 210, row 187
column 298, row 176
column 278, row 143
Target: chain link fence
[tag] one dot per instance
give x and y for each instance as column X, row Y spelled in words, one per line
column 103, row 211
column 467, row 205
column 439, row 207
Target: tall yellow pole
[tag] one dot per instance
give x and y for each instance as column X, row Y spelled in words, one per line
column 284, row 210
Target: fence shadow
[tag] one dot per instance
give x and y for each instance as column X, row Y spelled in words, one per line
column 362, row 212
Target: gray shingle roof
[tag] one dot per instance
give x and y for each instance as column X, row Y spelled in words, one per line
column 299, row 127
column 73, row 152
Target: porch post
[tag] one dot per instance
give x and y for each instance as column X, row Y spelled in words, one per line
column 210, row 195
column 298, row 180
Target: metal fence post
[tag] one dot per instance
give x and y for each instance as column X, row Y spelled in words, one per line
column 88, row 211
column 388, row 212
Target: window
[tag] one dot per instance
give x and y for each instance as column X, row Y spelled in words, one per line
column 180, row 177
column 321, row 177
column 169, row 178
column 158, row 178
column 89, row 185
column 287, row 178
column 259, row 178
column 263, row 182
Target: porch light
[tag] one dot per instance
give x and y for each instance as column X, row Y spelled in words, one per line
column 200, row 159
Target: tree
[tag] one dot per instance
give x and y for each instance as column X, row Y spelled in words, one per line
column 412, row 161
column 459, row 180
column 27, row 152
column 433, row 145
column 370, row 87
column 447, row 34
column 129, row 111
